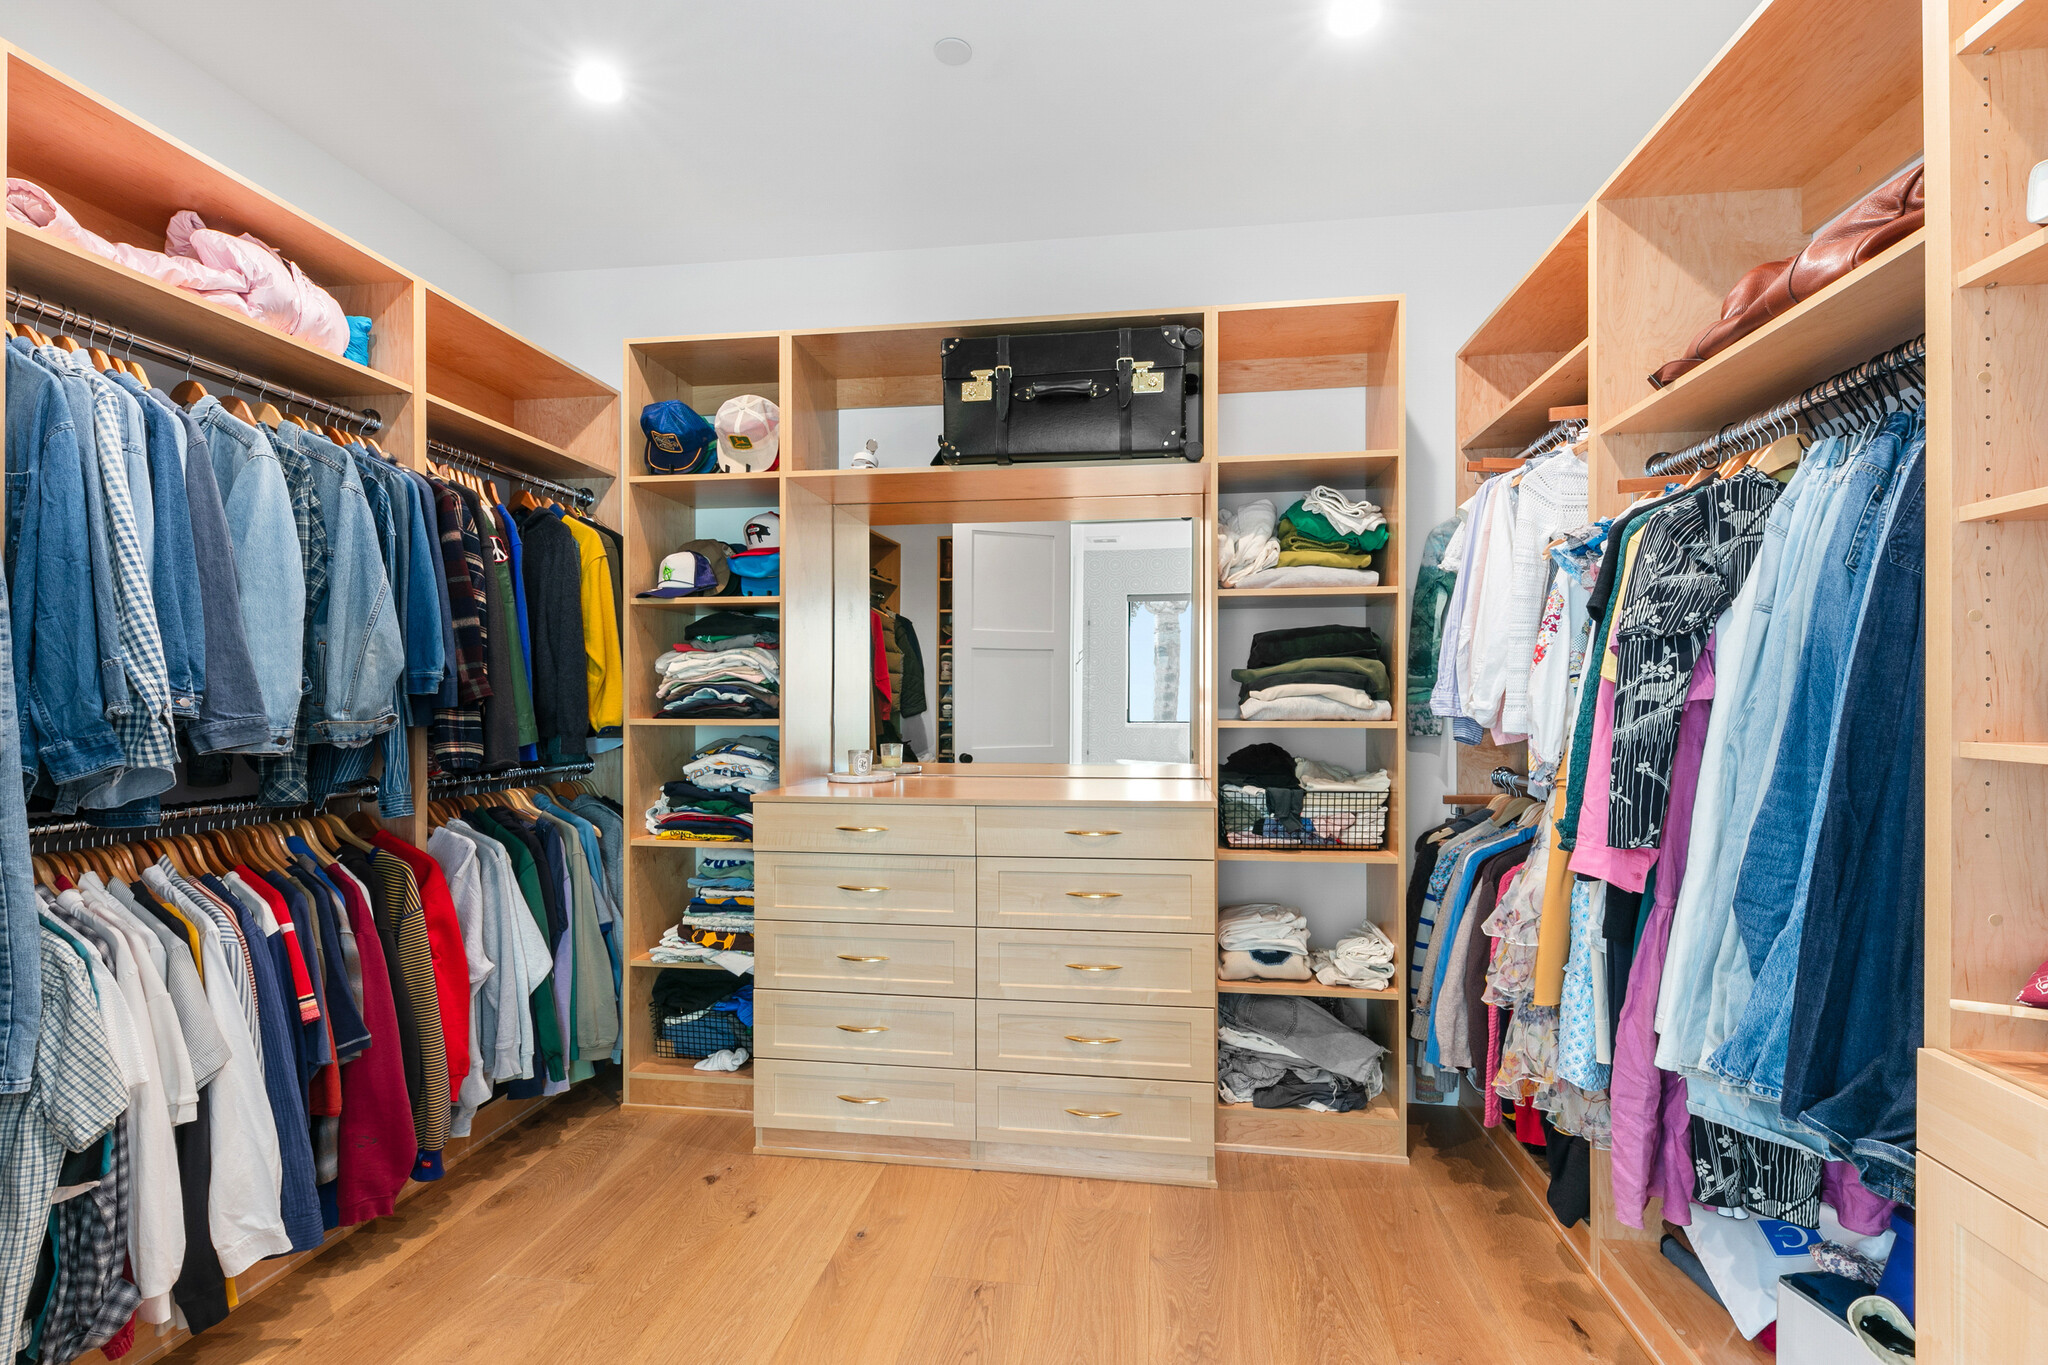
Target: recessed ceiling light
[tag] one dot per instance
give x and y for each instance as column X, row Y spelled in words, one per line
column 599, row 82
column 1351, row 18
column 953, row 51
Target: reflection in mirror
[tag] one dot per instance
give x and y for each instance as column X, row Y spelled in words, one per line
column 1039, row 642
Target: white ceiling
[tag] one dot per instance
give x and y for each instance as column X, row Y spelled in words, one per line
column 768, row 128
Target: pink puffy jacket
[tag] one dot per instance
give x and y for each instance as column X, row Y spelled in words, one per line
column 236, row 272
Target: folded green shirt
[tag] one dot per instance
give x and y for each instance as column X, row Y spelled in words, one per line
column 1368, row 674
column 1323, row 559
column 1316, row 528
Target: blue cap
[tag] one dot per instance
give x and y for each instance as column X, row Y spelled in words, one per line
column 679, row 439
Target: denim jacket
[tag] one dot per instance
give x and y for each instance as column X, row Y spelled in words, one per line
column 259, row 509
column 178, row 614
column 358, row 654
column 63, row 723
column 21, row 988
column 106, row 619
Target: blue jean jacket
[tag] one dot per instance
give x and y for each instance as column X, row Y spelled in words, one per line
column 179, row 619
column 21, row 973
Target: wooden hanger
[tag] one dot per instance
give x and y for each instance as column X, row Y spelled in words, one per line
column 340, row 829
column 64, row 343
column 45, row 875
column 269, row 416
column 524, row 501
column 239, row 410
column 141, row 375
column 37, row 337
column 10, row 330
column 188, row 393
column 1782, row 453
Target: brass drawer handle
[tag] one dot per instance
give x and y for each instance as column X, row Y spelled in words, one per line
column 1095, row 966
column 1087, row 1113
column 1092, row 1042
column 864, row 890
column 863, row 957
column 1096, row 895
column 864, row 829
column 1095, row 833
column 865, row 1099
column 856, row 1028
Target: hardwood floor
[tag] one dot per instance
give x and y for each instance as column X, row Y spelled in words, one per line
column 599, row 1235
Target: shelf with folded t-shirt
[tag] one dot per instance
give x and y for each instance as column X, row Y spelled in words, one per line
column 40, row 264
column 656, row 841
column 1879, row 304
column 1394, row 724
column 1303, row 988
column 708, row 722
column 1347, row 469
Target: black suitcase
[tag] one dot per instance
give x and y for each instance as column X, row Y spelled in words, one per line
column 1134, row 393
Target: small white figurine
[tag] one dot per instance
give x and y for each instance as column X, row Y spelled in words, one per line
column 867, row 459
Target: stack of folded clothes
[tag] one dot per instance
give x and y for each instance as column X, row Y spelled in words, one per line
column 1332, row 672
column 713, row 799
column 700, row 1014
column 718, row 924
column 1363, row 959
column 727, row 665
column 1287, row 1052
column 1262, row 942
column 1325, row 541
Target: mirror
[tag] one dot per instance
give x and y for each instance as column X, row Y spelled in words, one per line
column 1043, row 643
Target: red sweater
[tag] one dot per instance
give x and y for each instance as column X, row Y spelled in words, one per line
column 377, row 1146
column 451, row 962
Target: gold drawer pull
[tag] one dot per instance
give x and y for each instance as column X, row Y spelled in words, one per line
column 864, row 890
column 1092, row 1042
column 1095, row 833
column 864, row 829
column 856, row 1028
column 865, row 1099
column 863, row 957
column 1096, row 895
column 1095, row 966
column 1086, row 1113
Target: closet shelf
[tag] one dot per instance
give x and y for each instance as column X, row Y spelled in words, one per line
column 1346, row 470
column 1315, row 988
column 644, row 960
column 2031, row 505
column 2014, row 751
column 1227, row 598
column 2024, row 262
column 994, row 483
column 685, row 1069
column 1308, row 724
column 713, row 490
column 713, row 723
column 1380, row 1109
column 1528, row 415
column 2008, row 1011
column 1878, row 305
column 2014, row 24
column 486, row 436
column 650, row 841
column 701, row 603
column 1307, row 855
column 76, row 278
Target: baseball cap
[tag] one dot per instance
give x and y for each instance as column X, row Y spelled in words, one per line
column 697, row 570
column 764, row 531
column 679, row 440
column 749, row 438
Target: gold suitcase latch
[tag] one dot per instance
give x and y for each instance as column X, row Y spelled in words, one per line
column 1144, row 379
column 978, row 389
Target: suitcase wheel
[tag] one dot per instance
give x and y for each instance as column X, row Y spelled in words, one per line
column 1191, row 452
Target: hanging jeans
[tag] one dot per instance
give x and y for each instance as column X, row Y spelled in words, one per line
column 1770, row 894
column 1851, row 1035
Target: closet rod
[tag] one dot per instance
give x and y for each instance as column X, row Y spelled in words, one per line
column 1562, row 434
column 439, row 787
column 1872, row 371
column 366, row 421
column 582, row 497
column 83, row 834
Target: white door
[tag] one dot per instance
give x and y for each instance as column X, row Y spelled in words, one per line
column 1011, row 641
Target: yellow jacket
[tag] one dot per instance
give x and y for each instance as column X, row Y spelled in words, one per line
column 602, row 663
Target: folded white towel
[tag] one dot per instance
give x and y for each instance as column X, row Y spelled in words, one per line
column 1329, row 777
column 1363, row 959
column 1310, row 708
column 1350, row 518
column 1306, row 576
column 1241, row 928
column 1245, row 543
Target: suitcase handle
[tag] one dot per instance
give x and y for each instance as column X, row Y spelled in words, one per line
column 1059, row 388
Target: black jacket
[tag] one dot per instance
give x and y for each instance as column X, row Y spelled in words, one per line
column 912, row 702
column 553, row 570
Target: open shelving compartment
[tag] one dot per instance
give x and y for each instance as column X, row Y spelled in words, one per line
column 660, row 513
column 1315, row 393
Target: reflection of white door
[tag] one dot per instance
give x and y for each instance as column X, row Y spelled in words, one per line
column 1010, row 641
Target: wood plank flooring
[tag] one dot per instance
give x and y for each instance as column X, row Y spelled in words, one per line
column 601, row 1235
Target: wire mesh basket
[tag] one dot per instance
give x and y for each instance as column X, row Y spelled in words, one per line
column 712, row 1031
column 1293, row 819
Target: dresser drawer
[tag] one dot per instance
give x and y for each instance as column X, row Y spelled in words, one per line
column 864, row 827
column 1166, row 1117
column 1100, row 968
column 1095, row 893
column 817, row 1026
column 1096, row 832
column 1152, row 1042
column 864, row 888
column 893, row 959
column 844, row 1097
column 1986, row 1129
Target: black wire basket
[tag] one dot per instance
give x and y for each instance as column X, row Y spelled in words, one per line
column 1296, row 820
column 714, row 1030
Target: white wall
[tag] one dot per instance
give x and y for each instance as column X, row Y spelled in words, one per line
column 1453, row 267
column 107, row 54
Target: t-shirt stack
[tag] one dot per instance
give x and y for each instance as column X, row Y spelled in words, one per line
column 1324, row 540
column 712, row 801
column 1262, row 942
column 1331, row 672
column 727, row 665
column 718, row 924
column 1288, row 1052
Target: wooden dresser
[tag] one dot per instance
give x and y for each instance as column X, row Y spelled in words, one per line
column 1000, row 973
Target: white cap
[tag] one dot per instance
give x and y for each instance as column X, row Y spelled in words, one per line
column 682, row 574
column 748, row 439
column 764, row 531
